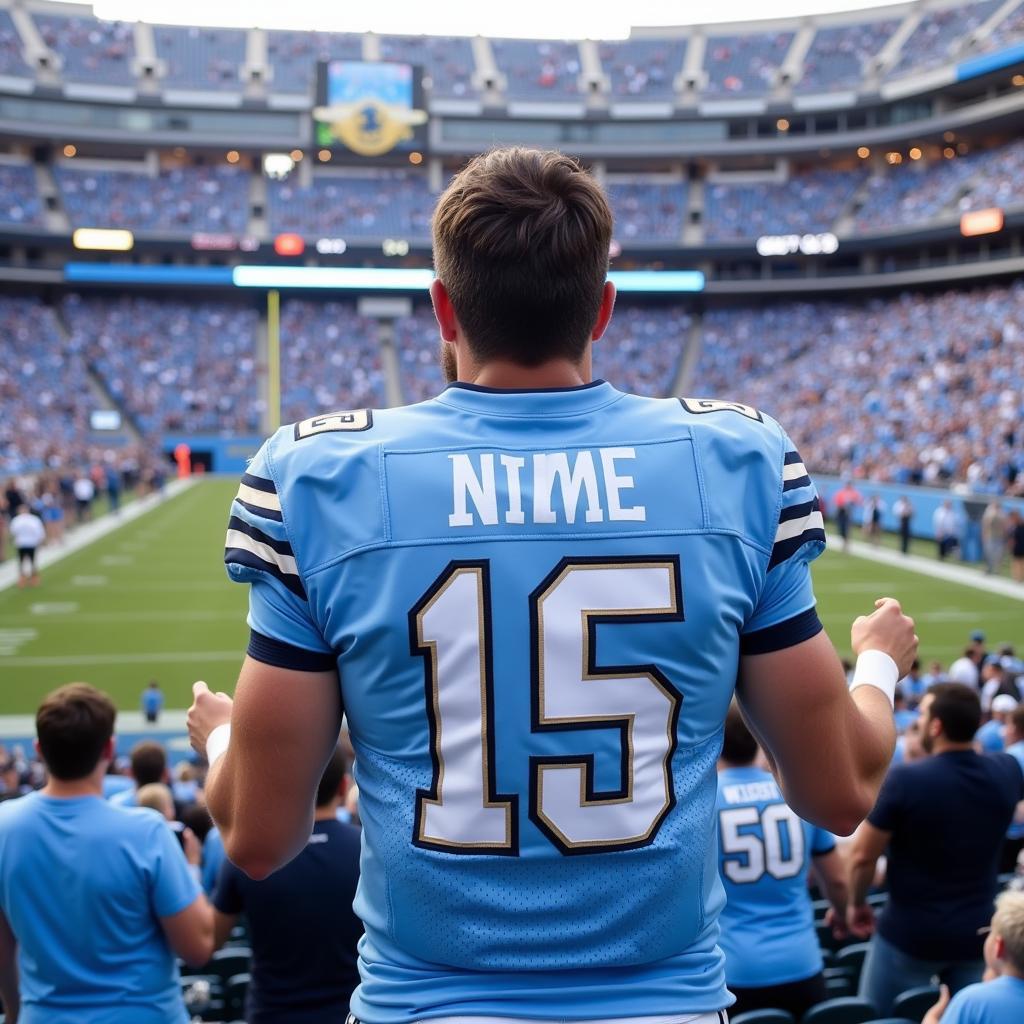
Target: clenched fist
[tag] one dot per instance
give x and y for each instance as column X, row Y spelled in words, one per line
column 207, row 712
column 888, row 630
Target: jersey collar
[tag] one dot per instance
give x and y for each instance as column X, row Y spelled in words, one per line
column 530, row 401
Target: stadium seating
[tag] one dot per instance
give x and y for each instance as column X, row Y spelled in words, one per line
column 417, row 341
column 1008, row 32
column 447, row 62
column 845, row 1010
column 330, row 359
column 763, row 1017
column 235, row 991
column 185, row 199
column 201, row 59
column 933, row 41
column 12, row 61
column 172, row 365
column 840, row 54
column 998, row 180
column 227, row 963
column 642, row 348
column 19, row 197
column 806, row 202
column 545, row 70
column 99, row 52
column 647, row 212
column 398, row 204
column 915, row 1002
column 851, row 959
column 293, row 56
column 642, row 69
column 744, row 65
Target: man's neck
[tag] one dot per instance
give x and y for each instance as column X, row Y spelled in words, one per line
column 508, row 376
column 942, row 746
column 65, row 789
column 328, row 812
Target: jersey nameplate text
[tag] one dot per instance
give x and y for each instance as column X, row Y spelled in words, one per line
column 700, row 405
column 358, row 419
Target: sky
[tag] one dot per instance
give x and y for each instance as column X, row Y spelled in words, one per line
column 568, row 19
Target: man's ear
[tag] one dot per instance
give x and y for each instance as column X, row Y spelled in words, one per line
column 604, row 314
column 443, row 310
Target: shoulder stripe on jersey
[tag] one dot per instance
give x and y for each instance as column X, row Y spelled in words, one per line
column 792, row 458
column 801, row 511
column 259, row 483
column 247, row 554
column 793, row 470
column 259, row 498
column 785, row 549
column 810, row 519
column 282, row 547
column 796, row 483
column 263, row 513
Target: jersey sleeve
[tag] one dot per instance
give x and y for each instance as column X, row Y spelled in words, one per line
column 258, row 551
column 822, row 842
column 172, row 886
column 785, row 614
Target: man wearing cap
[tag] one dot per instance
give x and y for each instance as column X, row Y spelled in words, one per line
column 990, row 737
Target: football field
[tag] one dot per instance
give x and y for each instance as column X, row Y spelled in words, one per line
column 151, row 601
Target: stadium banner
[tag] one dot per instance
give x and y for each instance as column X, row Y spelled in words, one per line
column 369, row 108
column 968, row 507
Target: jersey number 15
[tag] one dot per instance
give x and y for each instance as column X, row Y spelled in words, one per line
column 450, row 627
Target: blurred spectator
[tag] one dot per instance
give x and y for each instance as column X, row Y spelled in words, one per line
column 772, row 956
column 945, row 527
column 967, row 668
column 957, row 802
column 148, row 765
column 994, row 526
column 874, row 509
column 903, row 715
column 28, row 534
column 844, row 500
column 1015, row 530
column 95, row 900
column 302, row 928
column 85, row 492
column 999, row 999
column 903, row 510
column 991, row 736
column 1014, row 739
column 152, row 702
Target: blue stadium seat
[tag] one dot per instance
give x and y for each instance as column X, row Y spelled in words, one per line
column 915, row 1002
column 878, row 899
column 852, row 958
column 840, row 984
column 238, row 986
column 846, row 1010
column 891, row 1020
column 763, row 1017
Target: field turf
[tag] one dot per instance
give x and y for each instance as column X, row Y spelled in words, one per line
column 151, row 601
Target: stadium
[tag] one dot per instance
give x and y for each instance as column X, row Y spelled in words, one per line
column 209, row 232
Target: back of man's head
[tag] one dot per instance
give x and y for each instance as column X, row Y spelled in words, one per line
column 521, row 241
column 149, row 763
column 157, row 797
column 738, row 744
column 330, row 781
column 74, row 725
column 958, row 708
column 1008, row 924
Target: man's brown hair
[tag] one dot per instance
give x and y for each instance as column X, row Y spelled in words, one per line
column 738, row 744
column 149, row 763
column 330, row 781
column 521, row 240
column 74, row 724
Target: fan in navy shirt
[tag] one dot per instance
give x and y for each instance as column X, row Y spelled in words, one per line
column 302, row 926
column 943, row 820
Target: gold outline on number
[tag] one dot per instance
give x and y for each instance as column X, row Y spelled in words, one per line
column 586, row 766
column 428, row 649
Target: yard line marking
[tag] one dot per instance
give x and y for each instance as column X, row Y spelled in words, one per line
column 89, row 581
column 117, row 560
column 937, row 570
column 53, row 608
column 12, row 639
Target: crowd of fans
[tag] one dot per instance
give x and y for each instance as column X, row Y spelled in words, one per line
column 100, row 52
column 840, row 55
column 12, row 61
column 293, row 56
column 330, row 359
column 642, row 69
column 173, row 366
column 917, row 389
column 20, row 205
column 745, row 65
column 201, row 59
column 448, row 63
column 938, row 34
column 178, row 199
column 538, row 70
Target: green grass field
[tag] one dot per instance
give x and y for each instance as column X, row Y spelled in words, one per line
column 152, row 601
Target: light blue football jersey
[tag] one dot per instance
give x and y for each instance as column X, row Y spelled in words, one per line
column 765, row 852
column 536, row 602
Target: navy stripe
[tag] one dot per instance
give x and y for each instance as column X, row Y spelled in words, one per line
column 799, row 481
column 800, row 511
column 265, row 513
column 792, row 458
column 465, row 386
column 785, row 549
column 239, row 556
column 281, row 655
column 282, row 547
column 783, row 634
column 257, row 483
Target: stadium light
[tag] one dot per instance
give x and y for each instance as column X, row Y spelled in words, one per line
column 982, row 222
column 104, row 239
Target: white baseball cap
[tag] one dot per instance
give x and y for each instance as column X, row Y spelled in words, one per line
column 1004, row 702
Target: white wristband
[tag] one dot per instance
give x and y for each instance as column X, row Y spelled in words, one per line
column 217, row 743
column 876, row 668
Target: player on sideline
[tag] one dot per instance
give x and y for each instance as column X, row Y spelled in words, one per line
column 28, row 533
column 537, row 593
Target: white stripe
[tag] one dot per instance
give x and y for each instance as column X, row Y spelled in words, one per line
column 793, row 471
column 797, row 526
column 286, row 563
column 261, row 499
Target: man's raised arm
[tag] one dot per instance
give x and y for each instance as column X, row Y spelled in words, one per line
column 830, row 745
column 261, row 791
